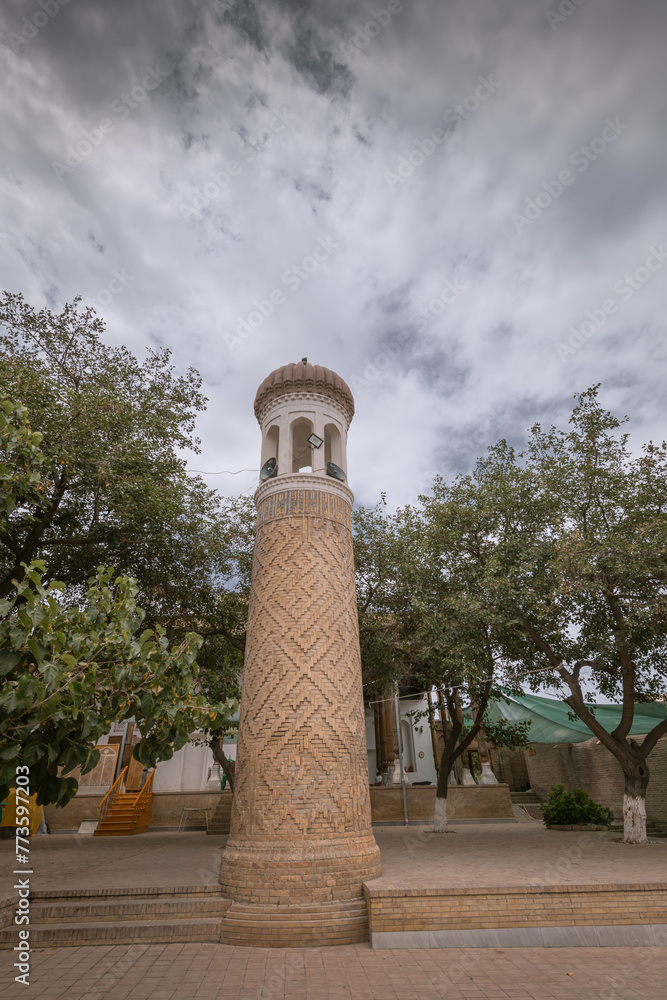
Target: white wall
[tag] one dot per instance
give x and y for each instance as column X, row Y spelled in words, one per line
column 414, row 742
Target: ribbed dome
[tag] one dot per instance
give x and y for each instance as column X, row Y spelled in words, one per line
column 303, row 377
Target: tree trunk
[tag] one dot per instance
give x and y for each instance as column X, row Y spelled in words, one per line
column 451, row 729
column 440, row 817
column 634, row 805
column 223, row 760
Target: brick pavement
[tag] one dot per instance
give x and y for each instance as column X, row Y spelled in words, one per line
column 497, row 854
column 67, row 861
column 472, row 855
column 489, row 854
column 354, row 972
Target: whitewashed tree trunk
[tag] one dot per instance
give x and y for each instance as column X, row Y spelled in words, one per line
column 634, row 805
column 634, row 819
column 440, row 818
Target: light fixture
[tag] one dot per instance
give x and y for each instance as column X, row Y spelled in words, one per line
column 315, row 441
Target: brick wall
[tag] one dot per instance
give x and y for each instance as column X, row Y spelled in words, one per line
column 401, row 910
column 509, row 767
column 590, row 766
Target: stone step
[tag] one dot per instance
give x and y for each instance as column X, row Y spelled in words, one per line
column 296, row 918
column 120, row 831
column 283, row 912
column 533, row 809
column 653, row 829
column 135, row 908
column 518, row 798
column 308, row 925
column 71, row 935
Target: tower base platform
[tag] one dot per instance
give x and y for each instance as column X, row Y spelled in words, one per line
column 309, row 925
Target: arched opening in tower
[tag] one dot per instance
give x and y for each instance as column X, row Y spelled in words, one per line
column 333, row 445
column 271, row 444
column 301, row 451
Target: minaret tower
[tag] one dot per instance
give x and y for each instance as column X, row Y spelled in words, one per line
column 301, row 842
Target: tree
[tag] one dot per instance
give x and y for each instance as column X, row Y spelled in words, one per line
column 417, row 626
column 115, row 489
column 563, row 549
column 378, row 556
column 450, row 638
column 71, row 669
column 503, row 733
column 69, row 672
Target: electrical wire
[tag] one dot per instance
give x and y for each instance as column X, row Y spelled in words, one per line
column 223, row 472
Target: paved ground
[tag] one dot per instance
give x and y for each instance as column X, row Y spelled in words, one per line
column 504, row 854
column 489, row 854
column 220, row 972
column 68, row 861
column 514, row 854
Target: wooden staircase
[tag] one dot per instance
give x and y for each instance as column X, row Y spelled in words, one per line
column 124, row 813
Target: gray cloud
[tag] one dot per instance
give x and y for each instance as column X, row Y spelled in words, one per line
column 313, row 122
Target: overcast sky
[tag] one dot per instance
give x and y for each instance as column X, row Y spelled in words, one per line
column 475, row 175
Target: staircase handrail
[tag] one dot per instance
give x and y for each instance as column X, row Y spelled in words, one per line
column 112, row 794
column 143, row 799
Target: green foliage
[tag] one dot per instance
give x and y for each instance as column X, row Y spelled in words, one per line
column 21, row 461
column 418, row 626
column 379, row 556
column 110, row 484
column 564, row 808
column 562, row 550
column 68, row 673
column 114, row 486
column 507, row 734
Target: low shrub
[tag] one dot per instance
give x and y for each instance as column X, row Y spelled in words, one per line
column 564, row 808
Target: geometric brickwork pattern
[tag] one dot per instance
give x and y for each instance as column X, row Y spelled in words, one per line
column 301, row 824
column 302, row 759
column 314, row 503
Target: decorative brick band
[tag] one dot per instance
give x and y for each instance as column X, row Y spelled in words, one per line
column 306, row 503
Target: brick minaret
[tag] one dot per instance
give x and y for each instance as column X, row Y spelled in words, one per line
column 301, row 842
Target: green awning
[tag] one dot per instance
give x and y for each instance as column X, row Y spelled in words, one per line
column 550, row 722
